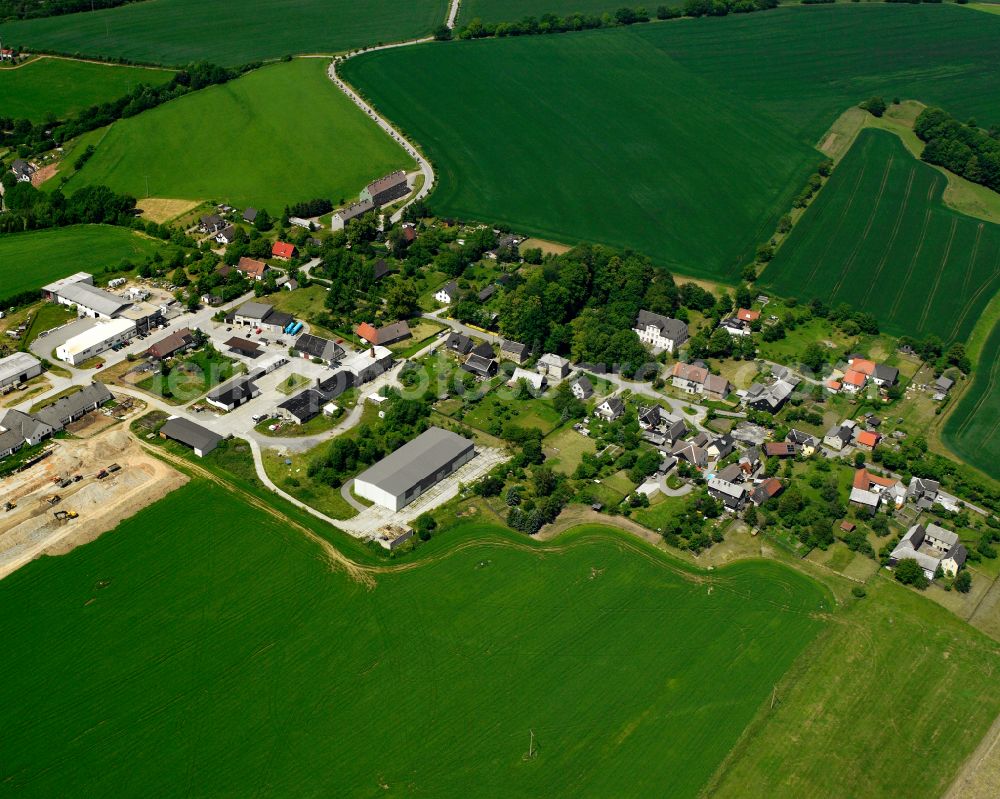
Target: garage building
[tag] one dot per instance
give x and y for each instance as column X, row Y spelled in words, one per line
column 200, row 439
column 399, row 478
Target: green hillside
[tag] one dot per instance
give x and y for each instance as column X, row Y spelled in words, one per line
column 879, row 238
column 30, row 260
column 61, row 87
column 229, row 659
column 683, row 139
column 276, row 136
column 228, row 32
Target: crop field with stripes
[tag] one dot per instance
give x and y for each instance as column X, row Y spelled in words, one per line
column 973, row 429
column 879, row 238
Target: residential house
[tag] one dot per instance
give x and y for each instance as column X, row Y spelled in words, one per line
column 283, row 251
column 458, row 342
column 22, row 170
column 479, row 366
column 380, row 268
column 834, row 386
column 735, row 327
column 513, row 351
column 67, row 410
column 689, row 377
column 18, row 429
column 839, row 436
column 610, row 409
column 885, row 376
column 660, row 332
column 485, row 294
column 172, row 344
column 553, row 366
column 923, row 491
column 721, row 447
column 534, row 379
column 250, row 215
column 765, row 491
column 943, row 384
column 448, row 293
column 316, row 347
column 867, row 440
column 340, row 219
column 385, row 335
column 804, row 442
column 854, row 381
column 750, row 462
column 211, row 223
column 386, row 189
column 582, row 388
column 732, row 495
column 227, row 235
column 869, row 490
column 746, row 315
column 692, row 451
column 251, row 269
column 483, row 349
column 731, row 473
column 931, row 546
column 771, row 398
column 716, row 387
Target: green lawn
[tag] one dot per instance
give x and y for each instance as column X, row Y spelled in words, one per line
column 190, row 376
column 492, row 410
column 879, row 238
column 30, row 260
column 59, row 87
column 565, row 448
column 846, row 720
column 686, row 140
column 227, row 32
column 45, row 317
column 274, row 137
column 973, row 429
column 230, row 653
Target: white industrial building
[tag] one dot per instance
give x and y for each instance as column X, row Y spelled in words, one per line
column 79, row 290
column 399, row 478
column 18, row 368
column 101, row 337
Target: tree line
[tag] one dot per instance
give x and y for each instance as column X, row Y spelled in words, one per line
column 965, row 149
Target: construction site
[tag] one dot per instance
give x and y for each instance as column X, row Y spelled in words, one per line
column 82, row 489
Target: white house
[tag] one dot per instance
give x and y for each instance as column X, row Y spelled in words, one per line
column 660, row 332
column 610, row 409
column 582, row 388
column 554, row 366
column 534, row 379
column 448, row 293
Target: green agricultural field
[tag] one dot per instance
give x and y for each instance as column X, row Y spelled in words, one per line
column 230, row 659
column 61, row 87
column 227, row 32
column 879, row 238
column 686, row 139
column 279, row 135
column 847, row 720
column 514, row 10
column 30, row 260
column 972, row 430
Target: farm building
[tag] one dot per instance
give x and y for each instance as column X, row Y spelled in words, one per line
column 353, row 211
column 200, row 439
column 386, row 189
column 931, row 546
column 309, row 346
column 66, row 410
column 385, row 335
column 241, row 346
column 101, row 337
column 660, row 332
column 252, row 313
column 401, row 477
column 18, row 368
column 233, row 394
column 303, row 406
column 368, row 364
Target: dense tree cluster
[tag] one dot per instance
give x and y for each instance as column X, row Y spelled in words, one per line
column 963, row 149
column 31, row 209
column 32, row 9
column 310, row 208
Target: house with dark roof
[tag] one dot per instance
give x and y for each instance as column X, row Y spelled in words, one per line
column 340, row 219
column 198, row 438
column 227, row 235
column 211, row 223
column 732, row 495
column 513, row 351
column 302, row 407
column 483, row 349
column 334, row 384
column 660, row 332
column 923, row 491
column 457, row 342
column 22, row 170
column 250, row 215
column 720, row 447
column 610, row 409
column 805, row 443
column 386, row 189
column 448, row 293
column 173, row 344
column 692, row 451
column 885, row 376
column 931, row 546
column 771, row 398
column 582, row 388
column 486, row 293
column 309, row 346
column 480, row 366
column 66, row 410
column 380, row 268
column 18, row 429
column 838, row 436
column 233, row 394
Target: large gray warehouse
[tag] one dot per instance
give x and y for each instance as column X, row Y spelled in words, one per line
column 399, row 478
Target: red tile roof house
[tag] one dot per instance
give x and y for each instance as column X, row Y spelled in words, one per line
column 254, row 270
column 283, row 250
column 745, row 315
column 389, row 334
column 779, row 450
column 868, row 440
column 854, row 381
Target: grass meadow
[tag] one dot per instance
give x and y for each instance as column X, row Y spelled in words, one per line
column 972, row 430
column 227, row 32
column 279, row 135
column 229, row 659
column 30, row 260
column 879, row 238
column 60, row 87
column 686, row 139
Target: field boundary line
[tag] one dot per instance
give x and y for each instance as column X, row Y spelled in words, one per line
column 940, row 271
column 840, row 223
column 892, row 237
column 868, row 228
column 972, row 258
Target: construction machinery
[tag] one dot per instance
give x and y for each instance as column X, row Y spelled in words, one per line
column 9, row 506
column 114, row 467
column 53, row 499
column 63, row 515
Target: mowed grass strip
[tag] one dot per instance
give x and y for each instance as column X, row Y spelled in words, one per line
column 30, row 260
column 888, row 702
column 228, row 32
column 228, row 658
column 593, row 136
column 60, row 87
column 972, row 430
column 684, row 140
column 281, row 134
column 879, row 238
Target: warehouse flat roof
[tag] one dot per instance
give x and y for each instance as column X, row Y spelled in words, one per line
column 428, row 453
column 100, row 332
column 99, row 300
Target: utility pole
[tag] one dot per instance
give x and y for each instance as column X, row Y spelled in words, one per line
column 531, row 753
column 774, row 696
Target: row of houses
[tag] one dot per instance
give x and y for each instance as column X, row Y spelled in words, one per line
column 19, row 429
column 862, row 372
